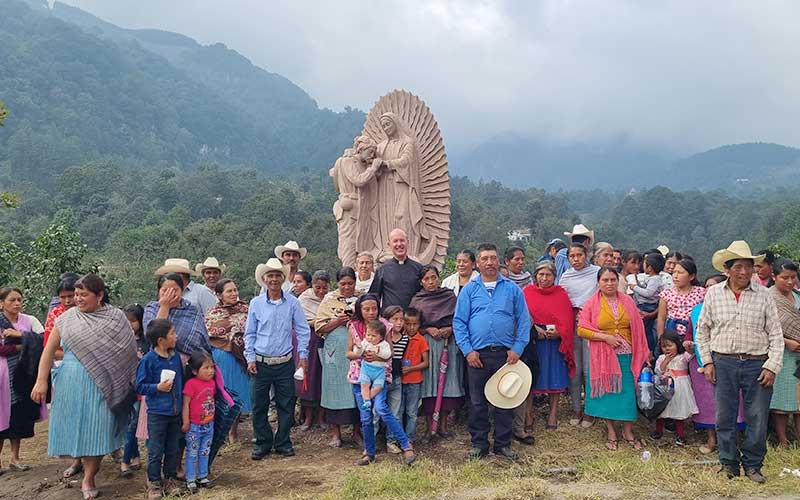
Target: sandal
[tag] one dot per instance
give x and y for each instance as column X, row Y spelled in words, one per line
column 126, row 473
column 72, row 471
column 612, row 444
column 635, row 443
column 18, row 467
column 90, row 494
column 366, row 460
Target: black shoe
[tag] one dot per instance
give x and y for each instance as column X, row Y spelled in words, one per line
column 507, row 453
column 656, row 435
column 755, row 475
column 288, row 452
column 730, row 472
column 258, row 454
column 477, row 453
column 679, row 441
column 529, row 440
column 205, row 483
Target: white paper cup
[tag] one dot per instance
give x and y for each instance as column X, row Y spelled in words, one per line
column 299, row 374
column 167, row 375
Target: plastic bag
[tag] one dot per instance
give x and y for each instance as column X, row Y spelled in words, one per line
column 662, row 394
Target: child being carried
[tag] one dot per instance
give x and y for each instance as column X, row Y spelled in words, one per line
column 373, row 373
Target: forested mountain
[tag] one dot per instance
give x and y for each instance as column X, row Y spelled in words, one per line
column 147, row 98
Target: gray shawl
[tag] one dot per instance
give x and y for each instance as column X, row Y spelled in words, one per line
column 788, row 315
column 580, row 285
column 105, row 345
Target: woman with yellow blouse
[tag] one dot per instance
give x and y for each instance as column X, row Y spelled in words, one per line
column 618, row 350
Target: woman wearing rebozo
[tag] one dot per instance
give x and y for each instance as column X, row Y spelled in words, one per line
column 99, row 364
column 618, row 350
column 333, row 315
column 554, row 321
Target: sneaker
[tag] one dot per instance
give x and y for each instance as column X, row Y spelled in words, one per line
column 366, row 405
column 679, row 441
column 192, row 487
column 730, row 472
column 205, row 483
column 393, row 449
column 507, row 453
column 656, row 435
column 172, row 488
column 477, row 453
column 154, row 491
column 755, row 475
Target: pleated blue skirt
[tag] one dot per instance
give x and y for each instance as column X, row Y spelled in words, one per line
column 235, row 377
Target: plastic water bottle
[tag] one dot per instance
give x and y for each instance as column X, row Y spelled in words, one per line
column 646, row 391
column 646, row 456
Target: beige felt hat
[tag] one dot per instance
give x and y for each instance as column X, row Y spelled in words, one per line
column 509, row 386
column 292, row 246
column 663, row 249
column 580, row 230
column 180, row 266
column 739, row 249
column 210, row 263
column 272, row 264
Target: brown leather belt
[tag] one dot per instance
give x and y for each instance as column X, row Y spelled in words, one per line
column 744, row 357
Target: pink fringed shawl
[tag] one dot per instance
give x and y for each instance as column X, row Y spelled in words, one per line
column 605, row 372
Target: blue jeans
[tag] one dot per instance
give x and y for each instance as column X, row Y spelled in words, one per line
column 198, row 449
column 650, row 327
column 367, row 427
column 131, row 449
column 734, row 375
column 394, row 398
column 411, row 396
column 164, row 432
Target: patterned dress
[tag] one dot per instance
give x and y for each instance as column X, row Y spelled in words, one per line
column 679, row 308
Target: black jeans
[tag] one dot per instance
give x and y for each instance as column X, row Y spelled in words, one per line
column 281, row 378
column 163, row 432
column 479, row 407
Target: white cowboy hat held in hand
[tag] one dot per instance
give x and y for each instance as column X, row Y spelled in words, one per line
column 291, row 246
column 739, row 249
column 509, row 386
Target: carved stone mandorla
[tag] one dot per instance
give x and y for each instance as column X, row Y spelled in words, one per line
column 403, row 182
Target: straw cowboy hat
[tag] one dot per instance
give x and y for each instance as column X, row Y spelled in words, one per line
column 739, row 249
column 180, row 266
column 663, row 249
column 292, row 246
column 272, row 264
column 509, row 386
column 210, row 263
column 580, row 230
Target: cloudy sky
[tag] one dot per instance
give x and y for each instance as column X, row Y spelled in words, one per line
column 683, row 76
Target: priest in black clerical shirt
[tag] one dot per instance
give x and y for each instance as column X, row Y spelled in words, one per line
column 397, row 280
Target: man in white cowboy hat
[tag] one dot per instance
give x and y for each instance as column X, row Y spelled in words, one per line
column 290, row 254
column 397, row 280
column 210, row 270
column 492, row 327
column 272, row 320
column 740, row 342
column 579, row 234
column 195, row 293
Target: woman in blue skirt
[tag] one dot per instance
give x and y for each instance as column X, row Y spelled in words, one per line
column 617, row 352
column 98, row 367
column 225, row 323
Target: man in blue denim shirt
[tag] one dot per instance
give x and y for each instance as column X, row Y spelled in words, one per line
column 492, row 327
column 271, row 321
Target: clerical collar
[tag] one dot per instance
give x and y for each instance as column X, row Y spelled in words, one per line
column 401, row 262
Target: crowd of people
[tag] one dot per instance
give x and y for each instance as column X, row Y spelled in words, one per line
column 393, row 342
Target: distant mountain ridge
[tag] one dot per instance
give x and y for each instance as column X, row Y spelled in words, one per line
column 79, row 89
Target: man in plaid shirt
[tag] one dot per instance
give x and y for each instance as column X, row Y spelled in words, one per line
column 740, row 342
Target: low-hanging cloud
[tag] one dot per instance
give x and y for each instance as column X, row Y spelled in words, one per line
column 682, row 76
